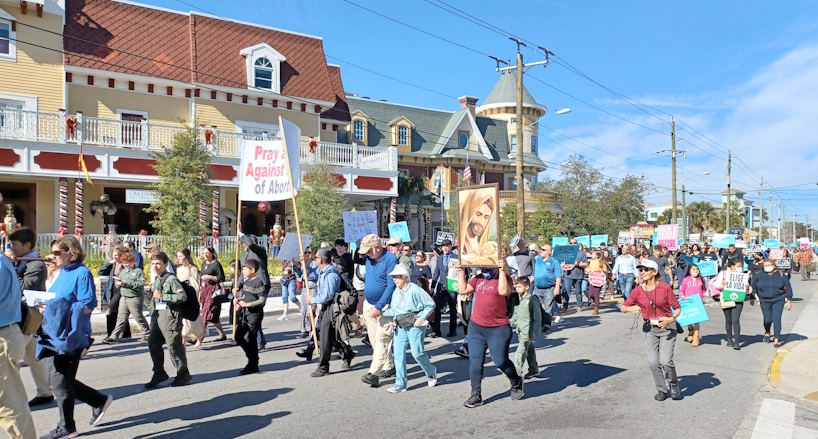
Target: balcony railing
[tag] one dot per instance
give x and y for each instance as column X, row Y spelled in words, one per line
column 61, row 127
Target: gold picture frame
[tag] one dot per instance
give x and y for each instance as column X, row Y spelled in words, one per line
column 478, row 228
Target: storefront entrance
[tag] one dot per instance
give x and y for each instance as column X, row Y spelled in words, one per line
column 23, row 198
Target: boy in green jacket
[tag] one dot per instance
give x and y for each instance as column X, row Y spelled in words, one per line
column 131, row 284
column 527, row 319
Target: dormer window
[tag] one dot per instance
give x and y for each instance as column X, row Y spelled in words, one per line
column 8, row 37
column 402, row 132
column 358, row 130
column 263, row 67
column 264, row 74
column 403, row 135
column 360, row 127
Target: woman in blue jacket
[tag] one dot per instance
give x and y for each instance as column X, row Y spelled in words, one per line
column 410, row 307
column 75, row 294
column 774, row 294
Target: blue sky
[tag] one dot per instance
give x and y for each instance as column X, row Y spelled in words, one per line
column 743, row 75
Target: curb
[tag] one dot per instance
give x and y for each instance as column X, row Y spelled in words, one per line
column 774, row 371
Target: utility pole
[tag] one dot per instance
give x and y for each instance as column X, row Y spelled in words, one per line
column 729, row 200
column 793, row 225
column 520, row 148
column 673, row 171
column 684, row 214
column 761, row 214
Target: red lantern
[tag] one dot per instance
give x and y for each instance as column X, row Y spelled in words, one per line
column 143, row 232
column 313, row 145
column 264, row 207
column 70, row 125
column 208, row 135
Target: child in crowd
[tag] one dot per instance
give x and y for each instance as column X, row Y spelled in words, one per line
column 250, row 299
column 692, row 285
column 527, row 319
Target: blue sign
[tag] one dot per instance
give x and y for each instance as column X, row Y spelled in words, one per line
column 584, row 240
column 692, row 311
column 566, row 253
column 707, row 268
column 399, row 230
column 771, row 243
column 559, row 240
column 737, row 231
column 598, row 239
column 655, row 240
column 723, row 240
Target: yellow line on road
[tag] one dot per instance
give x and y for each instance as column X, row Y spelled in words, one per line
column 775, row 367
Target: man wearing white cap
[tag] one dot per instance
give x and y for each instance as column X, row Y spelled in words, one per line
column 378, row 288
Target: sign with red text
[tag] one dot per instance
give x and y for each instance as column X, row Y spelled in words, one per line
column 667, row 235
column 264, row 174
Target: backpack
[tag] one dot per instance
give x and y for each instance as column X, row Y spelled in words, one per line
column 347, row 300
column 190, row 307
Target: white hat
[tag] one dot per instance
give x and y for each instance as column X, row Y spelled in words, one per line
column 399, row 270
column 647, row 263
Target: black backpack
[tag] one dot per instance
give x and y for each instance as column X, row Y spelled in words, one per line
column 190, row 307
column 347, row 299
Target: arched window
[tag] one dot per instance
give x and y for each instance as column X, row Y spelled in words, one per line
column 263, row 71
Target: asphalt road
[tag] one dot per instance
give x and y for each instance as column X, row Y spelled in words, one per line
column 594, row 383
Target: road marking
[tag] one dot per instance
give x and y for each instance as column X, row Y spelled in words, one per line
column 775, row 367
column 776, row 419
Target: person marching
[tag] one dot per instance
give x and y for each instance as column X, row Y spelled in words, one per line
column 732, row 309
column 131, row 283
column 596, row 264
column 410, row 307
column 692, row 285
column 527, row 320
column 166, row 325
column 654, row 300
column 774, row 294
column 250, row 297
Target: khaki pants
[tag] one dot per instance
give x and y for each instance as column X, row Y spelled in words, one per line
column 15, row 417
column 37, row 368
column 379, row 330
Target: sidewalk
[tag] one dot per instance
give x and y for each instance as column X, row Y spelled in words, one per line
column 793, row 371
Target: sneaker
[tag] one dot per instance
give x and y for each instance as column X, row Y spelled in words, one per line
column 517, row 392
column 98, row 412
column 387, row 373
column 532, row 374
column 371, row 379
column 556, row 320
column 248, row 370
column 675, row 392
column 433, row 379
column 729, row 343
column 661, row 396
column 304, row 335
column 283, row 317
column 397, row 389
column 181, row 380
column 766, row 338
column 60, row 432
column 319, row 373
column 109, row 340
column 156, row 380
column 462, row 352
column 40, row 400
column 475, row 400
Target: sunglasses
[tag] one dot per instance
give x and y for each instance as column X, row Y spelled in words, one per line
column 407, row 250
column 642, row 269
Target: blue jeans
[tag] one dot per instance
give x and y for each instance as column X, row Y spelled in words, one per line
column 574, row 285
column 288, row 290
column 496, row 340
column 772, row 316
column 413, row 337
column 625, row 283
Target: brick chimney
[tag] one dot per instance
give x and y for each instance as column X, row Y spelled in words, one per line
column 468, row 102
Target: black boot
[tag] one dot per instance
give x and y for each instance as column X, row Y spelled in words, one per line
column 305, row 353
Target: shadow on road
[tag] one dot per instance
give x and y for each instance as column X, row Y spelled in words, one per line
column 225, row 427
column 746, row 340
column 559, row 376
column 692, row 384
column 215, row 406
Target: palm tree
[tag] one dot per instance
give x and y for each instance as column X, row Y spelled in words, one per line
column 665, row 217
column 701, row 216
column 413, row 190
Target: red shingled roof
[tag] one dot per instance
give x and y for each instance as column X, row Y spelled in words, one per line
column 189, row 48
column 341, row 110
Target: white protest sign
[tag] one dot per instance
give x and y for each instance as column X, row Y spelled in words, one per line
column 441, row 236
column 358, row 224
column 624, row 238
column 736, row 286
column 694, row 238
column 263, row 174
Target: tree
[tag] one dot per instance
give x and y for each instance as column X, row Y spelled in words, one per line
column 737, row 215
column 666, row 217
column 321, row 204
column 701, row 216
column 182, row 186
column 413, row 190
column 541, row 225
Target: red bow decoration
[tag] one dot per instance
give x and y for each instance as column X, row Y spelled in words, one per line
column 208, row 134
column 62, row 231
column 143, row 232
column 215, row 234
column 264, row 207
column 70, row 125
column 313, row 145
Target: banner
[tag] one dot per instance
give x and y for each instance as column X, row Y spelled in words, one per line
column 566, row 253
column 599, row 239
column 642, row 230
column 442, row 236
column 707, row 268
column 771, row 243
column 584, row 240
column 559, row 240
column 694, row 238
column 736, row 288
column 723, row 240
column 289, row 248
column 654, row 241
column 263, row 173
column 667, row 235
column 624, row 238
column 358, row 224
column 399, row 230
column 692, row 311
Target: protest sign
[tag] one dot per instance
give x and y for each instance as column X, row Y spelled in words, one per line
column 290, row 248
column 804, row 242
column 740, row 243
column 642, row 230
column 597, row 278
column 782, row 264
column 667, row 235
column 694, row 238
column 596, row 240
column 754, row 248
column 692, row 311
column 737, row 232
column 399, row 230
column 772, row 243
column 776, row 253
column 654, row 241
column 559, row 240
column 624, row 238
column 451, row 275
column 358, row 224
column 478, row 227
column 264, row 174
column 723, row 240
column 442, row 236
column 708, row 268
column 736, row 288
column 584, row 240
column 566, row 253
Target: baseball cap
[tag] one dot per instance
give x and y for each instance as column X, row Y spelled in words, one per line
column 399, row 270
column 446, row 242
column 368, row 242
column 394, row 241
column 647, row 263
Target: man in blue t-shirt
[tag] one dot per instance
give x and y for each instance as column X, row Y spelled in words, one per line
column 547, row 279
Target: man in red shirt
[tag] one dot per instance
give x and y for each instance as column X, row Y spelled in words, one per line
column 655, row 300
column 489, row 328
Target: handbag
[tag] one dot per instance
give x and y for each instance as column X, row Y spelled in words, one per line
column 406, row 320
column 31, row 320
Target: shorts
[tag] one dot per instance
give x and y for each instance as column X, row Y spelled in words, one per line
column 288, row 290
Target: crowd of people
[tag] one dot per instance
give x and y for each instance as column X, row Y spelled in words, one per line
column 384, row 291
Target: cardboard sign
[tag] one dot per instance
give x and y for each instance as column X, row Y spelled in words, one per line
column 399, row 230
column 772, row 243
column 566, row 253
column 692, row 311
column 777, row 253
column 694, row 238
column 289, row 248
column 736, row 288
column 596, row 240
column 624, row 238
column 358, row 224
column 442, row 236
column 667, row 235
column 707, row 268
column 264, row 175
column 584, row 240
column 723, row 240
column 559, row 240
column 782, row 264
column 597, row 278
